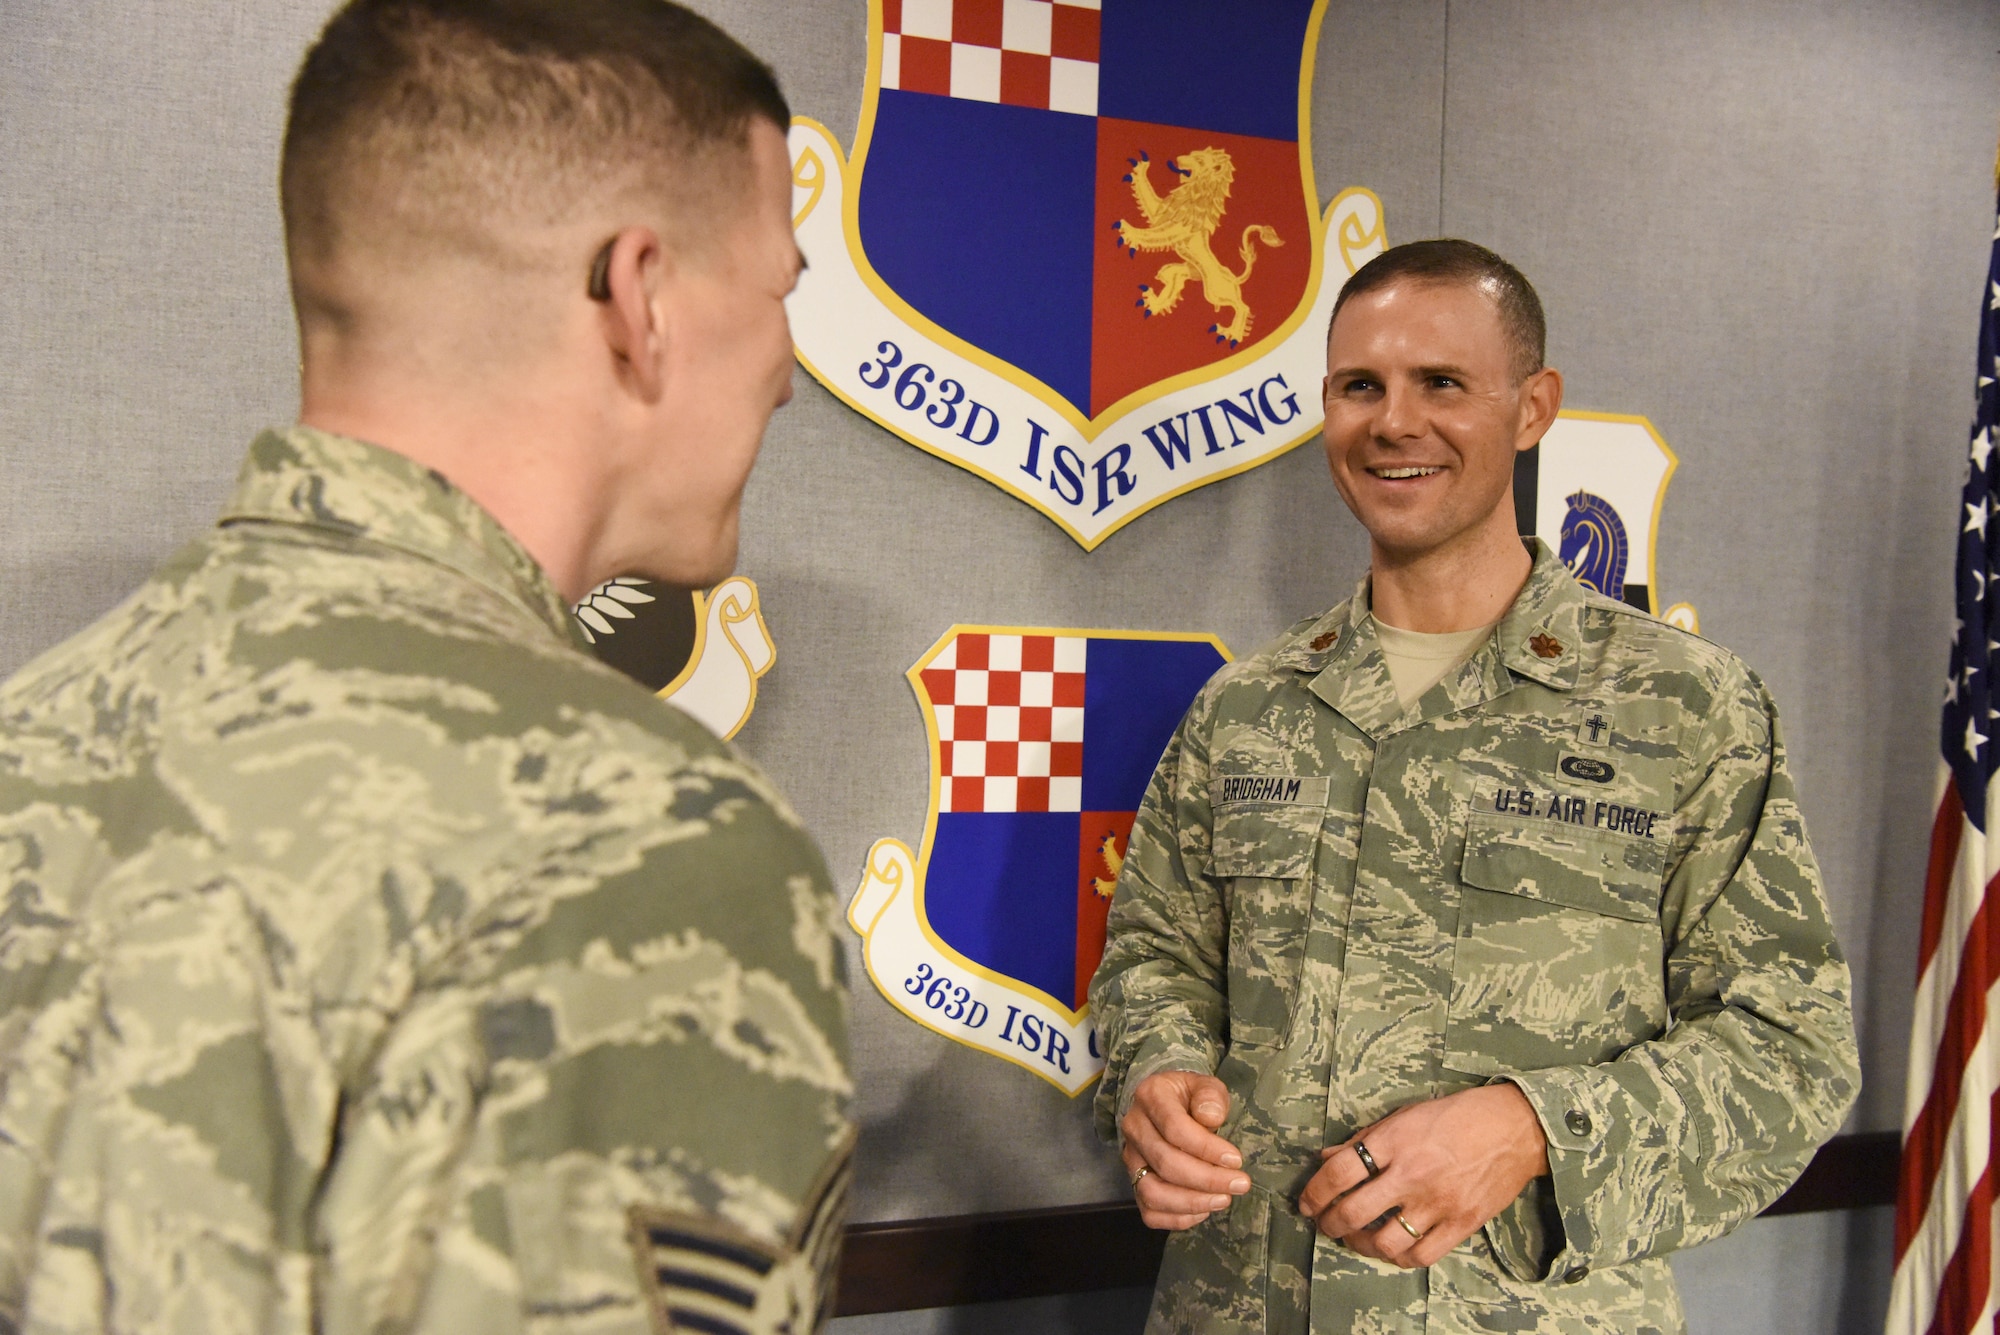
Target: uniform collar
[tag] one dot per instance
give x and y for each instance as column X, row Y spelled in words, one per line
column 1536, row 639
column 318, row 480
column 1539, row 637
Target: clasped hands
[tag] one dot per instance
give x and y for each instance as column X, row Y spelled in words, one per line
column 1443, row 1166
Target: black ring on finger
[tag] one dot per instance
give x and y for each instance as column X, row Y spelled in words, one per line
column 1367, row 1159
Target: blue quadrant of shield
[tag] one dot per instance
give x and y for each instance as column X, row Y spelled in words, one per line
column 1028, row 201
column 1020, row 862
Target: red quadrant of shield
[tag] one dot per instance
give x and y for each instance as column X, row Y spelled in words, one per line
column 1130, row 350
column 1102, row 837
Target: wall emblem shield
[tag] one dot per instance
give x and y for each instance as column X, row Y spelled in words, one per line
column 699, row 650
column 1078, row 249
column 1593, row 490
column 1041, row 743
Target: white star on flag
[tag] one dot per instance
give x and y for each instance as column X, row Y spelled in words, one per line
column 1974, row 739
column 1976, row 517
column 1995, row 303
column 1982, row 446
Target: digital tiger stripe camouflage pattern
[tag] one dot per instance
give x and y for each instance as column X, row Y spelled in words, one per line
column 373, row 959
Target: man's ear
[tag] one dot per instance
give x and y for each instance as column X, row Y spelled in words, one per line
column 632, row 314
column 1541, row 400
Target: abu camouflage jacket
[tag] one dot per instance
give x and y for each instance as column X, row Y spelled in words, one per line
column 1576, row 864
column 374, row 960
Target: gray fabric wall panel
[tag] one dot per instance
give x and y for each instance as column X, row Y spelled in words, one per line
column 144, row 332
column 1799, row 1274
column 1761, row 226
column 1765, row 227
column 1378, row 108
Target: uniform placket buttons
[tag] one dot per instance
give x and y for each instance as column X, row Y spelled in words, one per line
column 1578, row 1122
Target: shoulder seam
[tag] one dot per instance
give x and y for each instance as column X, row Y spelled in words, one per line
column 1612, row 607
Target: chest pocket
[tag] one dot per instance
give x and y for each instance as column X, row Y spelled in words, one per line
column 1264, row 853
column 1557, row 959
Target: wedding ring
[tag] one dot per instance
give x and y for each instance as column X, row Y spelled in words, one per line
column 1140, row 1175
column 1414, row 1235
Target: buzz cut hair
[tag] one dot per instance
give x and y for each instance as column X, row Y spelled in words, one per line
column 419, row 123
column 1449, row 261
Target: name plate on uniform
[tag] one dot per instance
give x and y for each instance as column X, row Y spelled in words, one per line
column 1289, row 789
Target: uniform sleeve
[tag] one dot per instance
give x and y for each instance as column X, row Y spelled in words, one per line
column 625, row 1090
column 1679, row 1139
column 1158, row 998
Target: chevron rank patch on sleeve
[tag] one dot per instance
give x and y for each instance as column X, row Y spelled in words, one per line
column 702, row 1276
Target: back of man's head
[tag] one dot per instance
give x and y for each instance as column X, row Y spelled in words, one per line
column 465, row 134
column 1457, row 263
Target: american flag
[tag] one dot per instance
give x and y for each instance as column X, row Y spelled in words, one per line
column 1945, row 1277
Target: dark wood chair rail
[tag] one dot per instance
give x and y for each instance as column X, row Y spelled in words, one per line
column 907, row 1264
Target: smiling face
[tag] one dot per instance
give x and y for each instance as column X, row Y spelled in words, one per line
column 1424, row 415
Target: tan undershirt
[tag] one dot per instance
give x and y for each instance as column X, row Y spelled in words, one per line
column 1419, row 660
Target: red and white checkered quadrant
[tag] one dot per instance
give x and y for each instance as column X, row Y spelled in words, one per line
column 1026, row 53
column 1009, row 711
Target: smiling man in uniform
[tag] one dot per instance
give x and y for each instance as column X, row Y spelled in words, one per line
column 1523, row 978
column 375, row 959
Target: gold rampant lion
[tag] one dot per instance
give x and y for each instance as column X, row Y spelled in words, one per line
column 1183, row 220
column 1114, row 862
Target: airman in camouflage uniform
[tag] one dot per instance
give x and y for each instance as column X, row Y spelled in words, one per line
column 1575, row 865
column 373, row 959
column 376, row 960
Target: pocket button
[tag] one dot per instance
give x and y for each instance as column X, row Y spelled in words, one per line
column 1577, row 1121
column 1576, row 1274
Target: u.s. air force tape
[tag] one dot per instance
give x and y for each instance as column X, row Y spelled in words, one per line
column 1304, row 790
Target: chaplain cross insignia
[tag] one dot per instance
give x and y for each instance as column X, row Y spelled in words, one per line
column 1546, row 646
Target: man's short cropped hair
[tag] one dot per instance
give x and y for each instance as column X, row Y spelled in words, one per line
column 429, row 121
column 1458, row 263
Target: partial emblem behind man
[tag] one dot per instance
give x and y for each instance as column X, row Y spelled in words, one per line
column 1040, row 744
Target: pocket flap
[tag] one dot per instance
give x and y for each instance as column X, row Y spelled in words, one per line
column 1557, row 864
column 1265, row 839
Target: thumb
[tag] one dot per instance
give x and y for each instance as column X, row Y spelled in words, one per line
column 1208, row 1101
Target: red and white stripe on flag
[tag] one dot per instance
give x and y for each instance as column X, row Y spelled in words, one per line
column 1944, row 1278
column 1026, row 53
column 1009, row 714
